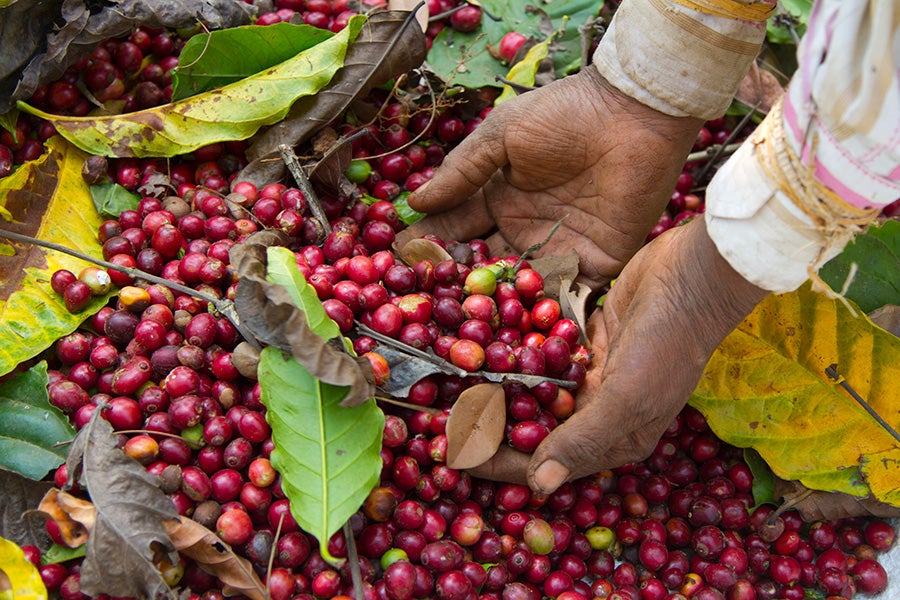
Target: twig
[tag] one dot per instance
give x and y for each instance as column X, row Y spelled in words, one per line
column 710, row 152
column 832, row 372
column 535, row 247
column 222, row 305
column 734, row 132
column 517, row 87
column 353, row 557
column 409, row 405
column 293, row 165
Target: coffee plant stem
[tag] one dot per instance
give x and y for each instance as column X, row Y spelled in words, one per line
column 296, row 169
column 222, row 305
column 353, row 557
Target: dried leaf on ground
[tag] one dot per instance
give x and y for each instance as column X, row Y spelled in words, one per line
column 74, row 516
column 18, row 495
column 271, row 312
column 766, row 387
column 46, row 199
column 475, row 425
column 819, row 506
column 214, row 556
column 333, row 159
column 130, row 511
column 389, row 44
column 759, row 86
column 40, row 40
column 420, row 249
column 421, row 15
column 555, row 269
column 573, row 305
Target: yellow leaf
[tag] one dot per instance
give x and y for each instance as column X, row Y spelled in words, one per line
column 23, row 578
column 49, row 200
column 524, row 71
column 765, row 387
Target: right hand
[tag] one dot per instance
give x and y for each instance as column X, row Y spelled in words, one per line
column 577, row 148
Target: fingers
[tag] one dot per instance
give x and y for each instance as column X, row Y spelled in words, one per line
column 465, row 170
column 506, row 465
column 462, row 223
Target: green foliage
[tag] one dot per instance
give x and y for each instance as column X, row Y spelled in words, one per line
column 876, row 281
column 110, row 199
column 33, row 432
column 216, row 59
column 57, row 553
column 328, row 455
column 763, row 478
column 407, row 215
column 791, row 15
column 464, row 58
column 233, row 112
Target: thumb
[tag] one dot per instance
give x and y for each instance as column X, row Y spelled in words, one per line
column 465, row 170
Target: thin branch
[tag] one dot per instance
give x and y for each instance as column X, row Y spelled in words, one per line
column 224, row 306
column 832, row 372
column 296, row 169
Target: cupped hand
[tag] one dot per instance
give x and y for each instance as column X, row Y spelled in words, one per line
column 577, row 149
column 660, row 322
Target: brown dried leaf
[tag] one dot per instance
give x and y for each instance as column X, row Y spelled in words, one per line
column 72, row 530
column 129, row 519
column 269, row 312
column 819, row 506
column 372, row 59
column 573, row 305
column 329, row 170
column 888, row 318
column 420, row 249
column 422, row 14
column 216, row 558
column 758, row 85
column 554, row 269
column 475, row 425
column 18, row 494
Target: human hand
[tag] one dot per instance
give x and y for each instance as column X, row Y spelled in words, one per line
column 577, row 148
column 660, row 322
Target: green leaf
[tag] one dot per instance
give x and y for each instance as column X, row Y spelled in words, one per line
column 328, row 455
column 763, row 478
column 110, row 199
column 46, row 199
column 233, row 112
column 57, row 553
column 766, row 387
column 407, row 215
column 284, row 272
column 33, row 432
column 211, row 60
column 8, row 120
column 23, row 577
column 876, row 254
column 523, row 72
column 464, row 58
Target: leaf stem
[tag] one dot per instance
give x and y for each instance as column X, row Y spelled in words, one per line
column 222, row 305
column 410, row 406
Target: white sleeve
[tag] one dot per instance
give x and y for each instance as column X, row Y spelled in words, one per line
column 824, row 161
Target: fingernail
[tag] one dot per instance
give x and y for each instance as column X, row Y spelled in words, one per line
column 550, row 475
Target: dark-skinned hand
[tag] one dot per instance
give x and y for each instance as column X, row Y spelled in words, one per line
column 660, row 322
column 577, row 148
